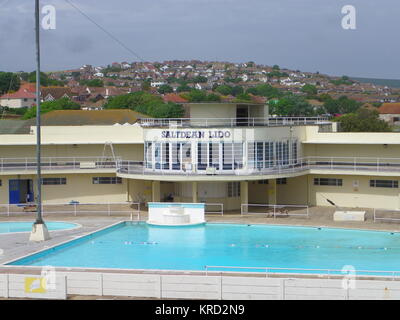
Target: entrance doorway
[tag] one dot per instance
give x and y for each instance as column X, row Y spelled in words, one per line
column 20, row 191
column 242, row 115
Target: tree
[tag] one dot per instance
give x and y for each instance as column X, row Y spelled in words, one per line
column 292, row 105
column 310, row 90
column 145, row 103
column 165, row 88
column 265, row 90
column 363, row 120
column 197, row 96
column 47, row 106
column 243, row 97
column 236, row 90
column 183, row 88
column 224, row 89
column 9, row 82
column 341, row 105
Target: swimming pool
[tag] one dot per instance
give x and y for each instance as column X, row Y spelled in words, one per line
column 14, row 226
column 132, row 245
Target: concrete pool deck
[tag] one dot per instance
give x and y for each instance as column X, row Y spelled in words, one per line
column 16, row 245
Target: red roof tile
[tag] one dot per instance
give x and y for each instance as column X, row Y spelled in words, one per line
column 389, row 108
column 173, row 97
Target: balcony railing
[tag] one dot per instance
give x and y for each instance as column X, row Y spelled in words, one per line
column 251, row 168
column 355, row 164
column 232, row 122
column 58, row 163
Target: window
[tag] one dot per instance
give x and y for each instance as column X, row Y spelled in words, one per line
column 383, row 183
column 328, row 182
column 262, row 181
column 281, row 181
column 0, row 183
column 54, row 181
column 107, row 180
column 233, row 189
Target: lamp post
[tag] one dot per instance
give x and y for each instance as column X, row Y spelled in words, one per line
column 39, row 229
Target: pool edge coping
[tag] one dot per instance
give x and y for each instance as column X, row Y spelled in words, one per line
column 77, row 226
column 188, row 272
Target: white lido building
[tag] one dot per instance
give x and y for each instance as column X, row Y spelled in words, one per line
column 228, row 153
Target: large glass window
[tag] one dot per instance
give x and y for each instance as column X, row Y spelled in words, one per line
column 238, row 155
column 269, row 154
column 383, row 183
column 227, row 156
column 202, row 156
column 213, row 155
column 148, row 153
column 233, row 189
column 176, row 156
column 107, row 180
column 282, row 153
column 157, row 155
column 165, row 156
column 328, row 182
column 53, row 181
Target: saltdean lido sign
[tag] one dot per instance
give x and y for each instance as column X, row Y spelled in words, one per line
column 197, row 134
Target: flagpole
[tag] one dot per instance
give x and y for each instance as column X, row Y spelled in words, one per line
column 39, row 219
column 39, row 229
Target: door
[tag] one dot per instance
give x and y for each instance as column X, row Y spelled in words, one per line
column 13, row 188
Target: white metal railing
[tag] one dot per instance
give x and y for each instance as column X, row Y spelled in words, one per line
column 231, row 122
column 219, row 205
column 379, row 215
column 74, row 208
column 246, row 168
column 58, row 163
column 252, row 168
column 274, row 210
column 305, row 271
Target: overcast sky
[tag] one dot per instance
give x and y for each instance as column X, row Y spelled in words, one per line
column 297, row 34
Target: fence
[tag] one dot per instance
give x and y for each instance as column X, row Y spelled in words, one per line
column 58, row 163
column 275, row 210
column 231, row 122
column 74, row 208
column 221, row 287
column 386, row 215
column 219, row 205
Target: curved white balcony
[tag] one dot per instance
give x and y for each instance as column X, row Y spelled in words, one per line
column 345, row 165
column 231, row 122
column 339, row 165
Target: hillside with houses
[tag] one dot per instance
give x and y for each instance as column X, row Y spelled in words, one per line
column 158, row 89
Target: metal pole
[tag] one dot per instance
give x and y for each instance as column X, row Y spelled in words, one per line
column 39, row 219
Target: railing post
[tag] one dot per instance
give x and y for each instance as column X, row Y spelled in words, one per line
column 377, row 165
column 109, row 209
column 274, row 211
column 75, row 209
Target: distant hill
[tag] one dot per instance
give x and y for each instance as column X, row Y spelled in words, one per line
column 380, row 82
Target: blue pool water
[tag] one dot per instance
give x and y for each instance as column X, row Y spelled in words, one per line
column 9, row 227
column 140, row 246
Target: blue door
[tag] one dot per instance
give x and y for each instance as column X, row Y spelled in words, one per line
column 13, row 188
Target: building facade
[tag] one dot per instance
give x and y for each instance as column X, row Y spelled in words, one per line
column 224, row 153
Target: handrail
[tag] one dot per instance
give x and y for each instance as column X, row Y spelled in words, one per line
column 244, row 209
column 231, row 122
column 74, row 208
column 328, row 271
column 221, row 205
column 248, row 167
